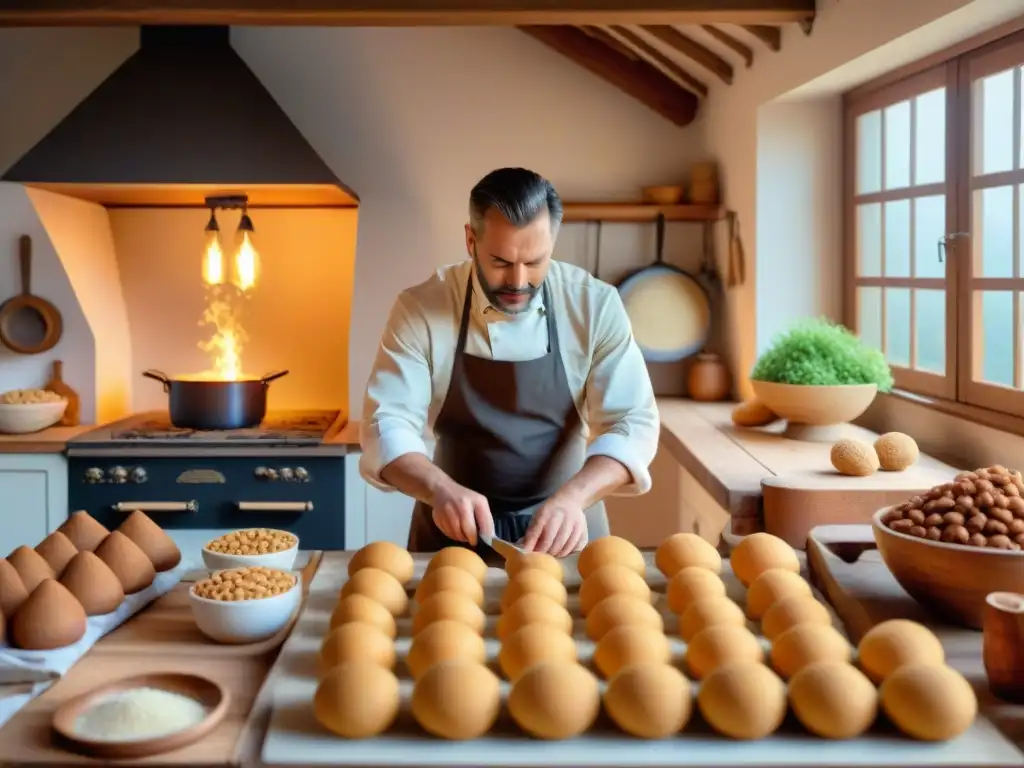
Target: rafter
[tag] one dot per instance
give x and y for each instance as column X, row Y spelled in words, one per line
column 400, row 12
column 634, row 76
column 660, row 59
column 612, row 42
column 770, row 36
column 731, row 42
column 690, row 48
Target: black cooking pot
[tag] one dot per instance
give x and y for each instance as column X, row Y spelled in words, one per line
column 206, row 404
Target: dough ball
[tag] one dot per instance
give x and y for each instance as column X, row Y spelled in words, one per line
column 649, row 701
column 441, row 641
column 793, row 610
column 930, row 702
column 356, row 641
column 753, row 413
column 385, row 556
column 610, row 549
column 854, row 458
column 536, row 581
column 380, row 586
column 888, row 646
column 621, row 609
column 630, row 644
column 364, row 609
column 833, row 699
column 690, row 584
column 456, row 699
column 357, row 700
column 743, row 700
column 532, row 644
column 721, row 644
column 685, row 550
column 449, row 605
column 708, row 612
column 448, row 578
column 533, row 609
column 770, row 587
column 760, row 552
column 462, row 558
column 896, row 451
column 555, row 700
column 541, row 560
column 806, row 644
column 608, row 580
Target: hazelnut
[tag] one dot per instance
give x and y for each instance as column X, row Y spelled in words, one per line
column 896, row 451
column 854, row 458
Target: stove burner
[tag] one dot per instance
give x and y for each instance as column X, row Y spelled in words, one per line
column 277, row 428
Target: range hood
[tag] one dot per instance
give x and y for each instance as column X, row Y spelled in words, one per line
column 180, row 119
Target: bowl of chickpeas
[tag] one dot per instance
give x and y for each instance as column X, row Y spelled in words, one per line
column 23, row 411
column 245, row 605
column 268, row 547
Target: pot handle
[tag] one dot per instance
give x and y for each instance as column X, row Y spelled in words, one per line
column 160, row 376
column 269, row 377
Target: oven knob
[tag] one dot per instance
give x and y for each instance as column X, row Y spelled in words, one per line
column 301, row 474
column 119, row 474
column 271, row 473
column 260, row 472
column 94, row 475
column 139, row 475
column 287, row 474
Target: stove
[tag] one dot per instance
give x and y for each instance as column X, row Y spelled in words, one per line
column 284, row 473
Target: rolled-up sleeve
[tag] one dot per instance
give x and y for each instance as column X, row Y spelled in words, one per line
column 621, row 409
column 398, row 394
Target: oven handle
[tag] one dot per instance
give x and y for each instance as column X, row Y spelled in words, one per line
column 275, row 506
column 156, row 506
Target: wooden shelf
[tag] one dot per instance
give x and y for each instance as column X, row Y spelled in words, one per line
column 640, row 212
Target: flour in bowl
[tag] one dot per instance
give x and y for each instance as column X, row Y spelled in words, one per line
column 139, row 713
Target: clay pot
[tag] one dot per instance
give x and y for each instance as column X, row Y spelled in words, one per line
column 1003, row 645
column 708, row 380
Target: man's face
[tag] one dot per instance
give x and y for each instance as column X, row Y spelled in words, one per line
column 511, row 263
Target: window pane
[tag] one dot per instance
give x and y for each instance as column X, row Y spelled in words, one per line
column 993, row 123
column 897, row 326
column 930, row 137
column 929, row 228
column 869, row 316
column 897, row 145
column 930, row 330
column 897, row 238
column 869, row 240
column 995, row 336
column 993, row 225
column 869, row 152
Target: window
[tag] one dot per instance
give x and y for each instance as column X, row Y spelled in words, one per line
column 935, row 194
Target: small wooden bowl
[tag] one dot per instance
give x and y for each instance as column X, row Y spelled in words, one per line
column 209, row 693
column 1003, row 647
column 664, row 195
column 952, row 580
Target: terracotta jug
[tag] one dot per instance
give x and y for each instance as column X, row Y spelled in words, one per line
column 708, row 380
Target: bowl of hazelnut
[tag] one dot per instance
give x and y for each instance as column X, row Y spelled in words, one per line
column 245, row 605
column 953, row 545
column 252, row 546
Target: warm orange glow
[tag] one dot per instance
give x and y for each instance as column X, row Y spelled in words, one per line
column 213, row 260
column 246, row 263
column 224, row 312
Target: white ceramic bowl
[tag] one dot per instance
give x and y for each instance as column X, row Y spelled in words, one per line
column 221, row 561
column 245, row 621
column 23, row 418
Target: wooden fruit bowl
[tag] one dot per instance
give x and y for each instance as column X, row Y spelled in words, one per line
column 951, row 580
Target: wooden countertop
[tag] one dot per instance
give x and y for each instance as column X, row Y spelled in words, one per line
column 52, row 440
column 346, row 435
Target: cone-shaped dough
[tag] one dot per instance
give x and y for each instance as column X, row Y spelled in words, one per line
column 12, row 589
column 50, row 618
column 85, row 531
column 129, row 563
column 93, row 584
column 152, row 540
column 31, row 566
column 57, row 550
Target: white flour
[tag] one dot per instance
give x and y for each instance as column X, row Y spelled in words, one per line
column 140, row 713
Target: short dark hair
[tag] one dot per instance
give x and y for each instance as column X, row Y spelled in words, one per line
column 518, row 194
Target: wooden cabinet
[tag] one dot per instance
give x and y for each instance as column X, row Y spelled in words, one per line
column 33, row 497
column 372, row 514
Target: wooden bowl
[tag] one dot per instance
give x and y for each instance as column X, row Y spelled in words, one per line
column 207, row 692
column 814, row 412
column 952, row 580
column 664, row 195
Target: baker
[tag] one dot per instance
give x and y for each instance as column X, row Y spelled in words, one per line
column 527, row 372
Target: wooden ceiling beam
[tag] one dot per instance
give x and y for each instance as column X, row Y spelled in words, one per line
column 731, row 43
column 691, row 49
column 770, row 36
column 652, row 54
column 612, row 42
column 400, row 12
column 634, row 76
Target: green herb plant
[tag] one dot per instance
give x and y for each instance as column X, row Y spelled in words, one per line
column 820, row 353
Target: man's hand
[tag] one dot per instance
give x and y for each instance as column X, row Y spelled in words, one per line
column 461, row 514
column 558, row 528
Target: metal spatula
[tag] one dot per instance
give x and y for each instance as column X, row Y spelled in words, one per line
column 504, row 548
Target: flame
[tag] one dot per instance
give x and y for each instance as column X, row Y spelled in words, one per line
column 213, row 260
column 224, row 312
column 246, row 264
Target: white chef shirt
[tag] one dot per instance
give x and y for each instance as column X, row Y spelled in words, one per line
column 604, row 367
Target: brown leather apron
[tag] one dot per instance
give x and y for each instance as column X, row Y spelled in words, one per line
column 510, row 431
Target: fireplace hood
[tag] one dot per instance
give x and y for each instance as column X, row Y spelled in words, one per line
column 182, row 118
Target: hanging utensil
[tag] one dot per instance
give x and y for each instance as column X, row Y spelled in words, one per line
column 29, row 324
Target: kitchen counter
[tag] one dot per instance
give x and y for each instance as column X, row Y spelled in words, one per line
column 52, row 440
